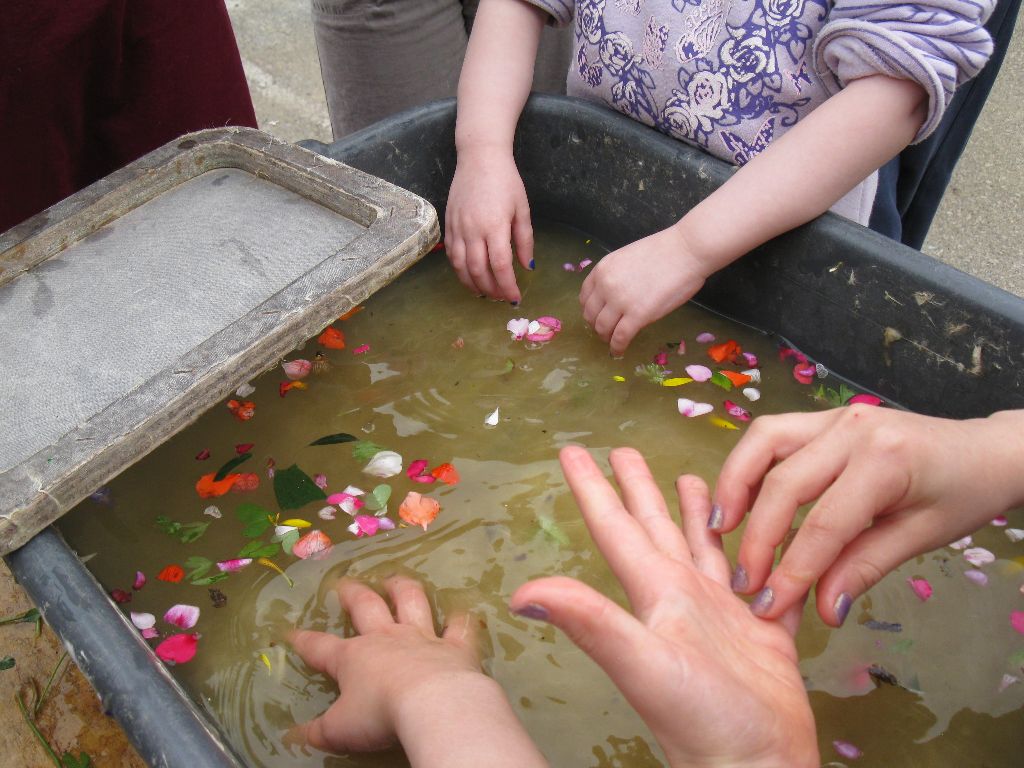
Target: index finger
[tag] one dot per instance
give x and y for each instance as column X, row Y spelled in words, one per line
column 319, row 650
column 366, row 608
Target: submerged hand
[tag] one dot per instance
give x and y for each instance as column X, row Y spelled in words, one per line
column 889, row 485
column 486, row 205
column 632, row 287
column 715, row 684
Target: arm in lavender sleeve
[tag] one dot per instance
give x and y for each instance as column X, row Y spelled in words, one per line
column 938, row 44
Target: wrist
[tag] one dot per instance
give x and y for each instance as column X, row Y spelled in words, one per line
column 454, row 693
column 705, row 254
column 1006, row 430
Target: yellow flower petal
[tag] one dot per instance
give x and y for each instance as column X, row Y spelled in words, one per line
column 722, row 423
column 297, row 523
column 677, row 382
column 619, row 378
column 265, row 660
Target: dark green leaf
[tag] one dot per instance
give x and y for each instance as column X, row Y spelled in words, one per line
column 341, row 437
column 67, row 760
column 192, row 531
column 226, row 469
column 7, row 662
column 255, row 518
column 260, row 549
column 167, row 525
column 196, row 567
column 364, row 450
column 295, row 489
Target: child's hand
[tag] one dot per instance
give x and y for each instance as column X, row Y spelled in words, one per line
column 486, row 205
column 889, row 485
column 715, row 684
column 389, row 663
column 639, row 283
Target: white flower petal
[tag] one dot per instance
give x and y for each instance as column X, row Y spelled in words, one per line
column 492, row 420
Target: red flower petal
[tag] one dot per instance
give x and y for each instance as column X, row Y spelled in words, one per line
column 172, row 573
column 177, row 649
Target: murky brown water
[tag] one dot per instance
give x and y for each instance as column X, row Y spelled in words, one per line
column 511, row 518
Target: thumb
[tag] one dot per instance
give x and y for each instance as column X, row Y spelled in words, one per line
column 601, row 629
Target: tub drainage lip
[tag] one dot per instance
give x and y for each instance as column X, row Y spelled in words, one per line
column 162, row 722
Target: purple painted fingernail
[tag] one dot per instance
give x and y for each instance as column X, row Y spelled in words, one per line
column 717, row 517
column 514, row 303
column 532, row 611
column 739, row 579
column 533, row 264
column 842, row 607
column 763, row 602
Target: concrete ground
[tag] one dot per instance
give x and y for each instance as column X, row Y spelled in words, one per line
column 979, row 229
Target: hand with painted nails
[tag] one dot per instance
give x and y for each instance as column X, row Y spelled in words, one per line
column 399, row 680
column 632, row 287
column 487, row 214
column 888, row 485
column 715, row 684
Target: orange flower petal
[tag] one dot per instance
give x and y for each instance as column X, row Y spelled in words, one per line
column 246, row 481
column 727, row 350
column 351, row 312
column 207, row 487
column 738, row 379
column 243, row 410
column 331, row 338
column 446, row 473
column 418, row 509
column 172, row 573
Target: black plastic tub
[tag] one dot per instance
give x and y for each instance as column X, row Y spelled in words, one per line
column 915, row 331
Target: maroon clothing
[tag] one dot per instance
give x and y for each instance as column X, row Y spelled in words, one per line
column 88, row 86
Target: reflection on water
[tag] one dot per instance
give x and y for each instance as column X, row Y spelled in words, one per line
column 421, row 392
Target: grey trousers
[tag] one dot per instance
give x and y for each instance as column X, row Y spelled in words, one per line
column 379, row 57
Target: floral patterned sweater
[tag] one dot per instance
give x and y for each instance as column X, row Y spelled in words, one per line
column 731, row 75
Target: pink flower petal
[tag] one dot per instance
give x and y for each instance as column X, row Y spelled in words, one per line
column 846, row 749
column 737, row 411
column 698, row 372
column 348, row 503
column 1007, row 681
column 140, row 580
column 518, row 327
column 1017, row 621
column 416, row 467
column 143, row 620
column 750, row 358
column 568, row 267
column 692, row 409
column 1014, row 534
column 327, row 513
column 921, row 588
column 230, row 566
column 978, row 556
column 788, row 352
column 297, row 369
column 681, row 349
column 313, row 543
column 705, row 338
column 585, row 263
column 550, row 322
column 365, row 525
column 661, row 359
column 865, row 400
column 999, row 521
column 120, row 596
column 362, row 349
column 963, row 543
column 177, row 649
column 386, row 524
column 321, row 481
column 182, row 616
column 150, row 633
column 804, row 373
column 978, row 577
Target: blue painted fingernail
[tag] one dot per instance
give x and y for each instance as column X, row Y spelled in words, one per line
column 763, row 602
column 739, row 579
column 842, row 607
column 532, row 611
column 533, row 264
column 717, row 517
column 514, row 303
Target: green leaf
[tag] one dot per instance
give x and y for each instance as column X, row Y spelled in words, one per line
column 226, row 469
column 1017, row 660
column 902, row 646
column 31, row 616
column 206, row 580
column 721, row 381
column 7, row 662
column 845, row 393
column 256, row 549
column 68, row 760
column 340, row 437
column 196, row 567
column 184, row 532
column 553, row 531
column 295, row 489
column 509, row 366
column 364, row 450
column 256, row 519
column 378, row 498
column 288, row 541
